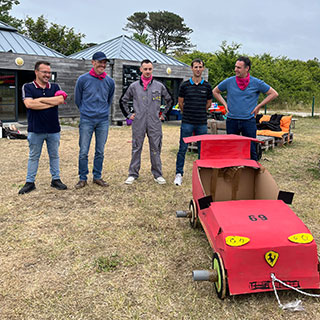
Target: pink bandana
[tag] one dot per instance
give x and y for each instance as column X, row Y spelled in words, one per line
column 145, row 82
column 99, row 76
column 243, row 82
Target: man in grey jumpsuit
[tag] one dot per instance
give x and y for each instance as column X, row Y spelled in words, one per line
column 146, row 94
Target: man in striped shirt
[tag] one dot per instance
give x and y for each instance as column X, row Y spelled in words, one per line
column 195, row 97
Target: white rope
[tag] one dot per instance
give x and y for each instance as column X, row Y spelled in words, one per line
column 291, row 306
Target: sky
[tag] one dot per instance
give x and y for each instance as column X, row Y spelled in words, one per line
column 288, row 28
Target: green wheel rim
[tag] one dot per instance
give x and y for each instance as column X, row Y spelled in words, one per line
column 193, row 219
column 221, row 285
column 216, row 266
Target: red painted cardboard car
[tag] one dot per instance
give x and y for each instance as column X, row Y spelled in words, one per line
column 252, row 232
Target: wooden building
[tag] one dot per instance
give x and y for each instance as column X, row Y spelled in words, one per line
column 125, row 56
column 18, row 55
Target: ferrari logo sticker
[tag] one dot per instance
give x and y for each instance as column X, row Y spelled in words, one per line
column 271, row 258
column 236, row 241
column 301, row 238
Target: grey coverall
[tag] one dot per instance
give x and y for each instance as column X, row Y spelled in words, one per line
column 146, row 105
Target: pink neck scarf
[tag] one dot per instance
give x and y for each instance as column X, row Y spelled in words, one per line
column 99, row 76
column 243, row 82
column 145, row 82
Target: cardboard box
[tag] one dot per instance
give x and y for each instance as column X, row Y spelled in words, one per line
column 238, row 183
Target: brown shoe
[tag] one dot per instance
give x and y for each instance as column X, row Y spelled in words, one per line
column 81, row 184
column 100, row 182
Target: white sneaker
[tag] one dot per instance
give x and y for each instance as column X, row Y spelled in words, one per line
column 130, row 180
column 178, row 179
column 160, row 180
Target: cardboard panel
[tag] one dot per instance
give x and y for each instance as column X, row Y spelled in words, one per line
column 224, row 146
column 205, row 177
column 222, row 150
column 246, row 184
column 265, row 185
column 286, row 196
column 238, row 183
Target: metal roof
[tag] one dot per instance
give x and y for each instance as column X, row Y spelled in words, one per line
column 125, row 48
column 12, row 41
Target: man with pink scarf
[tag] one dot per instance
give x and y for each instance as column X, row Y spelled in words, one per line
column 93, row 96
column 242, row 106
column 146, row 94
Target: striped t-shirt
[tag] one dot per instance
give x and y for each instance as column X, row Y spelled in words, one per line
column 195, row 101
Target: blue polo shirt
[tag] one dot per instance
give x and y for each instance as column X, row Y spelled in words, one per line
column 41, row 121
column 242, row 102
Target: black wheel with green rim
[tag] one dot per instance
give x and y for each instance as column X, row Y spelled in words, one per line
column 194, row 214
column 221, row 283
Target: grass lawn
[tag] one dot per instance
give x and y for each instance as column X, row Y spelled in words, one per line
column 119, row 252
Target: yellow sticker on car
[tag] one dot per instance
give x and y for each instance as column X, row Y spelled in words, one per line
column 236, row 241
column 271, row 258
column 301, row 238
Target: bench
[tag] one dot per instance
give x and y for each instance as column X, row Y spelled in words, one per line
column 281, row 137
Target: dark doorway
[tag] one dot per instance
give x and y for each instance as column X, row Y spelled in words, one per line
column 23, row 77
column 173, row 87
column 7, row 95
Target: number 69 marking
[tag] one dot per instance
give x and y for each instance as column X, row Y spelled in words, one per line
column 259, row 217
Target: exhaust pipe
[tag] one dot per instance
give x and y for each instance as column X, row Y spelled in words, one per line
column 183, row 214
column 205, row 275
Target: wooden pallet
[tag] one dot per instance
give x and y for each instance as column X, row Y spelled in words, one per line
column 268, row 142
column 193, row 147
column 277, row 142
column 216, row 126
column 286, row 138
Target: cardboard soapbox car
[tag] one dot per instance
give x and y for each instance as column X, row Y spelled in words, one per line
column 253, row 233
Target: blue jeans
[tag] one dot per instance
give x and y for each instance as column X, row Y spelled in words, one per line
column 35, row 147
column 187, row 130
column 86, row 129
column 247, row 128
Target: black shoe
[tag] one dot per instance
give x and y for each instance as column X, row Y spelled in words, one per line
column 58, row 184
column 28, row 187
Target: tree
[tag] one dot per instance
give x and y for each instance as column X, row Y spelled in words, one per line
column 226, row 59
column 137, row 22
column 166, row 31
column 57, row 37
column 220, row 64
column 5, row 7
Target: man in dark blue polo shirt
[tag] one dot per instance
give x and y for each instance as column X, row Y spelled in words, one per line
column 41, row 99
column 195, row 97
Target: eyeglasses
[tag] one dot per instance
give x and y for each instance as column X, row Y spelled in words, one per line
column 101, row 61
column 45, row 72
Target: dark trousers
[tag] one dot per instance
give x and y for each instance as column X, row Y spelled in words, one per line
column 247, row 128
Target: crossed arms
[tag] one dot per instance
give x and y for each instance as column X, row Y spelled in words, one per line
column 43, row 103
